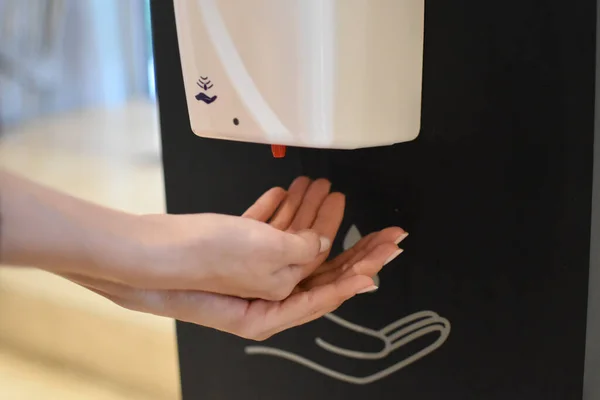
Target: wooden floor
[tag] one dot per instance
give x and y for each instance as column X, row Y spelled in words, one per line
column 58, row 341
column 24, row 378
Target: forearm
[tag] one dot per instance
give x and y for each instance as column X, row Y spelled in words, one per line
column 46, row 229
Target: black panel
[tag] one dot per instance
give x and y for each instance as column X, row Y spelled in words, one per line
column 496, row 193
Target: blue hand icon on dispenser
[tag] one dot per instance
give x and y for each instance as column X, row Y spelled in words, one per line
column 205, row 84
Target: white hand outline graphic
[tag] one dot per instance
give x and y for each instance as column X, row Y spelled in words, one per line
column 393, row 336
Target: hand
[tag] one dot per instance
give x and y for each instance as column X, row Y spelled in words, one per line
column 167, row 265
column 228, row 255
column 310, row 205
column 251, row 319
column 260, row 319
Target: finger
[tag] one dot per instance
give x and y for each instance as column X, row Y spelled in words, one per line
column 369, row 265
column 330, row 215
column 385, row 236
column 305, row 306
column 286, row 212
column 311, row 203
column 264, row 208
column 351, row 253
column 339, row 261
column 327, row 224
column 303, row 247
column 365, row 245
column 346, row 256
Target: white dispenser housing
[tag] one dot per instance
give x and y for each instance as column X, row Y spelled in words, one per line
column 337, row 74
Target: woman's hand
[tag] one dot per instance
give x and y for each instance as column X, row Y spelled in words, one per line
column 224, row 254
column 250, row 319
column 310, row 205
column 169, row 265
column 283, row 239
column 306, row 205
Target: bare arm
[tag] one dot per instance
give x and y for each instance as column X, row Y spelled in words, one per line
column 198, row 268
column 43, row 228
column 46, row 229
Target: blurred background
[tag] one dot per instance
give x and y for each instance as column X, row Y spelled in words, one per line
column 78, row 113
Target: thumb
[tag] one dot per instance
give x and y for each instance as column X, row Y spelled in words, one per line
column 305, row 246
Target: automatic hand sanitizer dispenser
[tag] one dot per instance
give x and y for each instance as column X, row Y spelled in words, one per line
column 500, row 192
column 337, row 74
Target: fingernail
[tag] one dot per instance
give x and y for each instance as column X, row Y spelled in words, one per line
column 325, row 244
column 393, row 256
column 401, row 237
column 369, row 289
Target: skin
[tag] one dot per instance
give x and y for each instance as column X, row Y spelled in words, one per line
column 252, row 276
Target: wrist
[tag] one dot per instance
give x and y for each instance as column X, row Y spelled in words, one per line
column 120, row 248
column 160, row 249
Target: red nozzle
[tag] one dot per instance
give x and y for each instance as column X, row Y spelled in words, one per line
column 278, row 150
